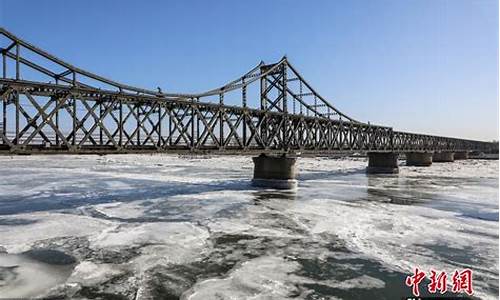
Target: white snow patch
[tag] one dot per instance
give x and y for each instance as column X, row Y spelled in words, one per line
column 88, row 273
column 260, row 278
column 160, row 243
column 21, row 277
column 127, row 235
column 122, row 210
column 19, row 238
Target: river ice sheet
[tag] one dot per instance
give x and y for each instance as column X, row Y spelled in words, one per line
column 157, row 226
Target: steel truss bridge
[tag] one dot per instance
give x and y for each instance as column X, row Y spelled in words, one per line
column 50, row 106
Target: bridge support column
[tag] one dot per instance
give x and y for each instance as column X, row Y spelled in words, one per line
column 274, row 172
column 382, row 163
column 443, row 157
column 418, row 159
column 461, row 155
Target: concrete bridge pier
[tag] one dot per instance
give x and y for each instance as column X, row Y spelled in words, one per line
column 461, row 155
column 443, row 157
column 278, row 172
column 419, row 159
column 382, row 163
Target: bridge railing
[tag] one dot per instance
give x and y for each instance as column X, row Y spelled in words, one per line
column 405, row 141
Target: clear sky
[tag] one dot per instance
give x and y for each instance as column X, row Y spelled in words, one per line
column 427, row 66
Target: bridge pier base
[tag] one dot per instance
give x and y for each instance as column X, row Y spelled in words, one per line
column 382, row 163
column 418, row 159
column 461, row 155
column 274, row 172
column 443, row 157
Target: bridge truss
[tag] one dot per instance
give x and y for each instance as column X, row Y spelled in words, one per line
column 50, row 106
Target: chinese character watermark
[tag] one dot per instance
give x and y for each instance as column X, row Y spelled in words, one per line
column 460, row 281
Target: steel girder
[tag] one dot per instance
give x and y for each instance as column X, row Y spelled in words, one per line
column 70, row 115
column 125, row 123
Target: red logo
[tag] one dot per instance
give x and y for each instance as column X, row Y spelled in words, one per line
column 460, row 281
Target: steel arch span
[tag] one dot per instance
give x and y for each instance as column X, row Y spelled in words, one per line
column 50, row 106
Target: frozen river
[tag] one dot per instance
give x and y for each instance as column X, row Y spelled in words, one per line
column 160, row 226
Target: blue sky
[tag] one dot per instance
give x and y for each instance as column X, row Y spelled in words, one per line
column 428, row 66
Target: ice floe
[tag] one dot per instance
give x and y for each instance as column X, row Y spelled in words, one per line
column 23, row 277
